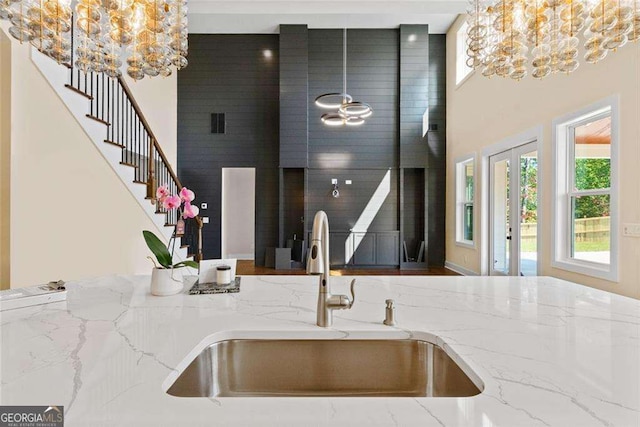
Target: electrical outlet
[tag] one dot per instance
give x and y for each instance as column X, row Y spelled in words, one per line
column 348, row 182
column 204, row 205
column 334, row 180
column 205, row 220
column 631, row 230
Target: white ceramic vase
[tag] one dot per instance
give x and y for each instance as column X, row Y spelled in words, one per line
column 166, row 281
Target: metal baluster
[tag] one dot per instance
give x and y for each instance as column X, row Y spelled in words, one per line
column 113, row 115
column 128, row 130
column 122, row 121
column 130, row 133
column 108, row 109
column 92, row 100
column 102, row 96
column 138, row 162
column 71, row 70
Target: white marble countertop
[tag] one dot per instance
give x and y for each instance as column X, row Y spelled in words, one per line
column 549, row 352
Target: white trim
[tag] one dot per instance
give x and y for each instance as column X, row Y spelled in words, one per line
column 223, row 242
column 460, row 270
column 464, row 80
column 461, row 33
column 559, row 255
column 465, row 244
column 471, row 244
column 534, row 134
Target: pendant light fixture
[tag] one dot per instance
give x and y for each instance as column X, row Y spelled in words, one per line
column 349, row 112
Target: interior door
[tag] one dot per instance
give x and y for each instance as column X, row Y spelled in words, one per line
column 513, row 212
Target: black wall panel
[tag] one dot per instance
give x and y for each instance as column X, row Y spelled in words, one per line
column 345, row 211
column 294, row 89
column 414, row 94
column 372, row 77
column 272, row 122
column 293, row 204
column 231, row 74
column 436, row 172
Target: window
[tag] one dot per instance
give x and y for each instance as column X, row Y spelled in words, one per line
column 586, row 146
column 465, row 189
column 462, row 69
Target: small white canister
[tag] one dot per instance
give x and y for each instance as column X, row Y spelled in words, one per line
column 223, row 275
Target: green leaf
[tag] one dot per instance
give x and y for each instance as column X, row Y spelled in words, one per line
column 158, row 248
column 191, row 264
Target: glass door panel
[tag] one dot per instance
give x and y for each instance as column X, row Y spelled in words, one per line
column 514, row 212
column 500, row 221
column 528, row 212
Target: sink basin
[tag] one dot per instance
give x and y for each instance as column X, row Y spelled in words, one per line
column 323, row 367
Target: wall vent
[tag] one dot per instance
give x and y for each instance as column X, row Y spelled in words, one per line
column 218, row 123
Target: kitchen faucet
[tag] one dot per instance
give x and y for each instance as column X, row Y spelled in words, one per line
column 318, row 264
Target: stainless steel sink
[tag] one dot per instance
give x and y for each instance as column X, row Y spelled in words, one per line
column 323, row 367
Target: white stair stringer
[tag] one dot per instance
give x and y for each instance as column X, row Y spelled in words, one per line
column 57, row 76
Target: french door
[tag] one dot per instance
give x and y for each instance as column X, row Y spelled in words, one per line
column 513, row 184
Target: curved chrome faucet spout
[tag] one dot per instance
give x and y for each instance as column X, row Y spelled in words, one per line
column 318, row 264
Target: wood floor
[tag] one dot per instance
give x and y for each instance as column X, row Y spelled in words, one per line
column 248, row 268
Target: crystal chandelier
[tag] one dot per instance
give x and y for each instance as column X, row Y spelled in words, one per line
column 149, row 35
column 512, row 38
column 349, row 112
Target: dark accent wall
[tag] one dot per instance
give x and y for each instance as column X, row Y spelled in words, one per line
column 292, row 204
column 273, row 124
column 414, row 94
column 344, row 211
column 362, row 154
column 436, row 161
column 372, row 77
column 413, row 205
column 231, row 74
column 294, row 88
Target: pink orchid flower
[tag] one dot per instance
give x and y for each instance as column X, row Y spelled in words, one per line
column 162, row 193
column 171, row 202
column 190, row 211
column 187, row 195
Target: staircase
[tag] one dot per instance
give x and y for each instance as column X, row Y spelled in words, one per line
column 111, row 117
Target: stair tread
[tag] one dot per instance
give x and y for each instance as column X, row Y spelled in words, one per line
column 129, row 164
column 98, row 119
column 78, row 91
column 117, row 144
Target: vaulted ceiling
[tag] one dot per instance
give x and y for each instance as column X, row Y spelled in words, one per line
column 265, row 16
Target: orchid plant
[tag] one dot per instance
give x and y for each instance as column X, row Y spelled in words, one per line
column 182, row 203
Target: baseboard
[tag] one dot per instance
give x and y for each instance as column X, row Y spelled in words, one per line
column 460, row 270
column 249, row 257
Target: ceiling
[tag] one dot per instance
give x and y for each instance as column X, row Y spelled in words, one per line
column 265, row 16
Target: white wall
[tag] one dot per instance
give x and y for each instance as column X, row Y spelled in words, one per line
column 71, row 215
column 5, row 158
column 238, row 212
column 482, row 112
column 158, row 100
